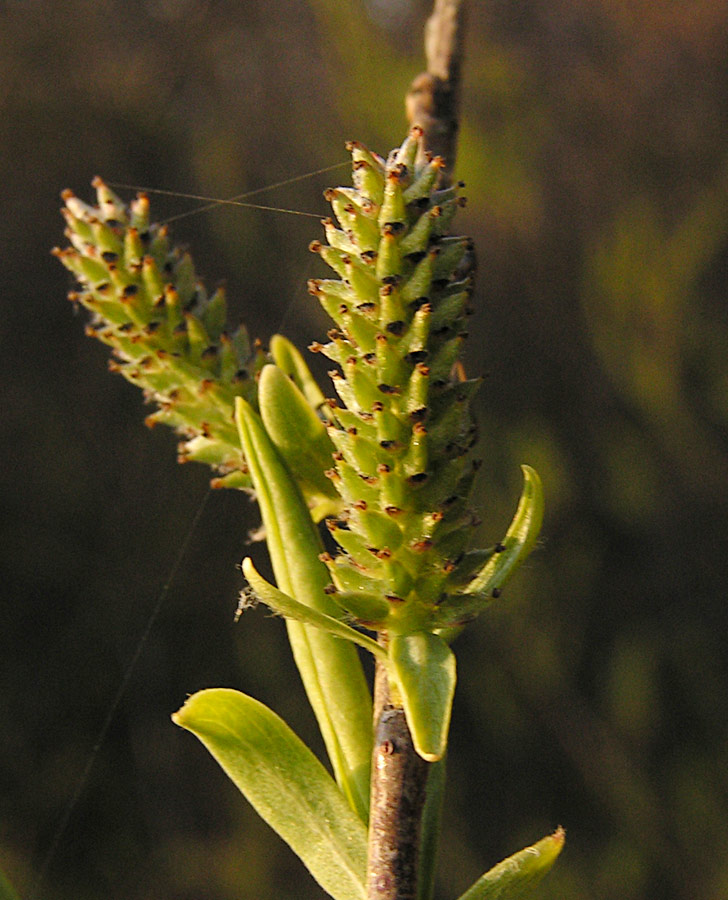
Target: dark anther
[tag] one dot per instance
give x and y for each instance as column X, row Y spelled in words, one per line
column 415, row 256
column 388, row 445
column 418, row 415
column 391, row 279
column 330, row 589
column 393, row 228
column 499, row 547
column 368, row 256
column 418, row 478
column 396, row 328
column 496, row 593
column 130, row 290
column 388, row 389
column 109, row 256
column 416, row 356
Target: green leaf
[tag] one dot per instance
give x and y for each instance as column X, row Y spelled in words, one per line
column 291, row 609
column 285, row 783
column 430, row 828
column 330, row 668
column 298, row 433
column 288, row 358
column 423, row 667
column 519, row 539
column 512, row 877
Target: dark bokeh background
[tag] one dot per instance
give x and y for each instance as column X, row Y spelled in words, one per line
column 595, row 148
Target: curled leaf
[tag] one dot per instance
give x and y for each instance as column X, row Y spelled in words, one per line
column 518, row 542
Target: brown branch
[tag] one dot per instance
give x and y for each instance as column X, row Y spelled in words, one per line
column 433, row 100
column 399, row 779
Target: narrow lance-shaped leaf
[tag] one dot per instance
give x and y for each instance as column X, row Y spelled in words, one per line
column 285, row 783
column 291, row 609
column 298, row 433
column 424, row 671
column 514, row 876
column 290, row 361
column 330, row 668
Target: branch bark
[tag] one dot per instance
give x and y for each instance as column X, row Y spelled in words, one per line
column 399, row 780
column 433, row 100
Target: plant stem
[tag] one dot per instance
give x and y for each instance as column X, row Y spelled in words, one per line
column 399, row 779
column 434, row 96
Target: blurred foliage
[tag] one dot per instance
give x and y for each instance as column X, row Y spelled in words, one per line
column 594, row 146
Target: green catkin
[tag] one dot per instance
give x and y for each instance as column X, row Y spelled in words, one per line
column 166, row 335
column 402, row 425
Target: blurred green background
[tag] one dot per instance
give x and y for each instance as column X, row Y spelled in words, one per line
column 595, row 151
